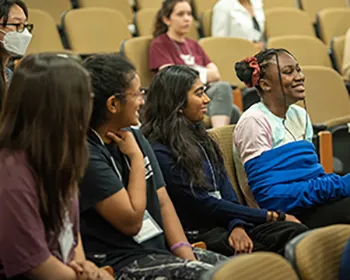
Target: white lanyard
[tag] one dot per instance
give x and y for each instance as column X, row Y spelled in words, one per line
column 112, row 159
column 179, row 50
column 210, row 167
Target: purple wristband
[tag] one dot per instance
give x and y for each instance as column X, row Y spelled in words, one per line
column 180, row 244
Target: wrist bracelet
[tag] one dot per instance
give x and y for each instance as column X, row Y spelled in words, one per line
column 180, row 244
column 281, row 215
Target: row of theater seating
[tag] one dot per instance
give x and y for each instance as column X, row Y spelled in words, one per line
column 56, row 8
column 86, row 36
column 315, row 255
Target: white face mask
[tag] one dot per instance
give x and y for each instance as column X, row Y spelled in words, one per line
column 15, row 42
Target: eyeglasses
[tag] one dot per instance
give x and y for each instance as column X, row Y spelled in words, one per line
column 139, row 95
column 20, row 27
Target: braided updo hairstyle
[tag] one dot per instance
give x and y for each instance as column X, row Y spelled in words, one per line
column 245, row 71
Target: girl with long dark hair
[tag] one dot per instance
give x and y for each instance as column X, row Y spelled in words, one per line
column 127, row 218
column 195, row 175
column 43, row 155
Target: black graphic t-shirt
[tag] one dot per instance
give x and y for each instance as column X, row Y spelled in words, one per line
column 103, row 243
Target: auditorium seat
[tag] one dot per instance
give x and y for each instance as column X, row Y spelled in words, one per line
column 93, row 30
column 288, row 21
column 316, row 254
column 53, row 7
column 307, row 50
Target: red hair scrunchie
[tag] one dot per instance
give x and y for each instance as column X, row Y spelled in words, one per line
column 253, row 63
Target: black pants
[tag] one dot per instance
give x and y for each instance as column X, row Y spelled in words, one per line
column 337, row 212
column 270, row 237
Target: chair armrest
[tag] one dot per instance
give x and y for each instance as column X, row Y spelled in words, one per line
column 326, row 151
column 200, row 244
column 318, row 128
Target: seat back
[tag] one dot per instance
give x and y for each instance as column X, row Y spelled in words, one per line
column 53, row 8
column 316, row 254
column 337, row 48
column 84, row 30
column 333, row 22
column 123, row 6
column 205, row 20
column 278, row 23
column 145, row 20
column 223, row 136
column 149, row 4
column 326, row 95
column 243, row 180
column 260, row 265
column 193, row 33
column 312, row 7
column 225, row 52
column 46, row 37
column 136, row 50
column 307, row 50
column 200, row 6
column 272, row 4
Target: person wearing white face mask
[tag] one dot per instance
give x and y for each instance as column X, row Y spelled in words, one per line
column 15, row 36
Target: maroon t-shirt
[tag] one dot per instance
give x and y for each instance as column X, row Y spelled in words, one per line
column 24, row 244
column 163, row 51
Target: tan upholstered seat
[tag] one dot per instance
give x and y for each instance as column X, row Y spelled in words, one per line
column 337, row 48
column 256, row 266
column 53, row 7
column 46, row 37
column 136, row 50
column 86, row 30
column 307, row 50
column 272, row 4
column 278, row 23
column 326, row 96
column 205, row 20
column 316, row 255
column 200, row 6
column 333, row 22
column 223, row 136
column 312, row 7
column 146, row 4
column 225, row 52
column 144, row 21
column 122, row 6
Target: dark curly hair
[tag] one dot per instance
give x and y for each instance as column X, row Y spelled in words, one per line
column 244, row 71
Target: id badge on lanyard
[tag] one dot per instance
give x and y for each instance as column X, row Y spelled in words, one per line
column 149, row 229
column 188, row 59
column 215, row 194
